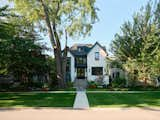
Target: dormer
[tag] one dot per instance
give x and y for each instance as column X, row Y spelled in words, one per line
column 80, row 49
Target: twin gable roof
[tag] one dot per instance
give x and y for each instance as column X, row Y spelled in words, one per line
column 83, row 49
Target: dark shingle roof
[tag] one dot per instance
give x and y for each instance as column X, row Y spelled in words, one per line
column 80, row 49
column 83, row 49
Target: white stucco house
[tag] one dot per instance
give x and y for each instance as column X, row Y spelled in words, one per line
column 87, row 61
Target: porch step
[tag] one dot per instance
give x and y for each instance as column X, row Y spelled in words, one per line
column 80, row 84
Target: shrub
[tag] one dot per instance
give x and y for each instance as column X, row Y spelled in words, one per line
column 99, row 81
column 119, row 82
column 92, row 84
column 69, row 84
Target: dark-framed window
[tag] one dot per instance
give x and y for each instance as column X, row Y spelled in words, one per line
column 80, row 49
column 81, row 60
column 97, row 70
column 68, row 65
column 96, row 55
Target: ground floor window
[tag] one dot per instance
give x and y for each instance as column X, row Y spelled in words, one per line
column 97, row 70
column 68, row 65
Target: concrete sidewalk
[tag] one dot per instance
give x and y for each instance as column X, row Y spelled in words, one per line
column 81, row 100
column 43, row 92
column 96, row 91
column 120, row 91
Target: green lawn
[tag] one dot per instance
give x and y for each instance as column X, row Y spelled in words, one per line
column 36, row 99
column 124, row 99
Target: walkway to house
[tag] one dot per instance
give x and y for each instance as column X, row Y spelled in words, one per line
column 81, row 100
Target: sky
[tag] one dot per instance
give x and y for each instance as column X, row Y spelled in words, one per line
column 112, row 14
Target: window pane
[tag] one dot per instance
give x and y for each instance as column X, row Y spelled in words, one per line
column 97, row 70
column 68, row 65
column 96, row 55
column 81, row 60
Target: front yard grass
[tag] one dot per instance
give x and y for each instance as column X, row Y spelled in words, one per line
column 146, row 99
column 36, row 99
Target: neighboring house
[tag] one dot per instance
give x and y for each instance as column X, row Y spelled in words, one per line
column 86, row 61
column 116, row 73
column 115, row 69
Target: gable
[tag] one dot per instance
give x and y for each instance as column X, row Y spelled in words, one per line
column 97, row 47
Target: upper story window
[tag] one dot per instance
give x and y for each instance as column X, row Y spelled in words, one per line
column 80, row 49
column 96, row 55
column 81, row 60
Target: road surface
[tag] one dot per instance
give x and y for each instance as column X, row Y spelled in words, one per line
column 88, row 114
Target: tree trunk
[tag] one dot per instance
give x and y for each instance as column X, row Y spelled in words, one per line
column 56, row 46
column 59, row 60
column 145, row 82
column 64, row 65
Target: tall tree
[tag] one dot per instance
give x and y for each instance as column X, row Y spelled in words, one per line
column 76, row 17
column 138, row 45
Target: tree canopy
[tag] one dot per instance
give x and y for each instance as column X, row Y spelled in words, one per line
column 74, row 16
column 20, row 54
column 138, row 44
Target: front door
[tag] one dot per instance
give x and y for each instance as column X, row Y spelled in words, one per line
column 81, row 73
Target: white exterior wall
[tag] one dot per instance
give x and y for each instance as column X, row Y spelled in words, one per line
column 73, row 73
column 91, row 62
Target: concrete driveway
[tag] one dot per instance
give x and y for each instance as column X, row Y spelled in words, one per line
column 90, row 114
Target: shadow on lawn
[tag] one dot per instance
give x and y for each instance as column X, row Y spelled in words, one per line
column 36, row 100
column 142, row 100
